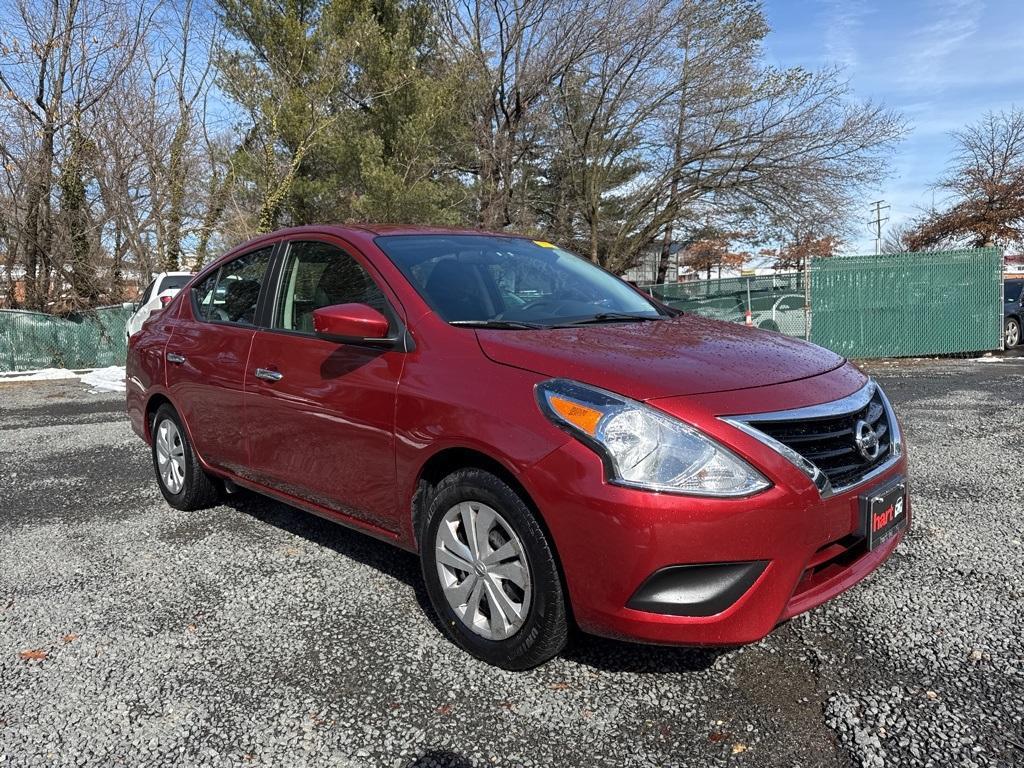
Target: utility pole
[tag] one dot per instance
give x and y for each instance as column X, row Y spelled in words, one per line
column 877, row 207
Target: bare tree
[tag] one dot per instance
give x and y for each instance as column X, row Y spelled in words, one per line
column 59, row 60
column 898, row 238
column 985, row 185
column 513, row 54
column 623, row 121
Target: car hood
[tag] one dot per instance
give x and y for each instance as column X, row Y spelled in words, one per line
column 686, row 355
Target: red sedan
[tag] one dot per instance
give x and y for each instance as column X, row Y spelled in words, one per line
column 557, row 447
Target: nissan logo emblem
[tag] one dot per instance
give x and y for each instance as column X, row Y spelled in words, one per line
column 867, row 440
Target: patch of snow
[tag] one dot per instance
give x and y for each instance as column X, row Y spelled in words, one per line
column 43, row 374
column 105, row 379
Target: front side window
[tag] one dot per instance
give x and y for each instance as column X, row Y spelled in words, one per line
column 1012, row 290
column 318, row 275
column 231, row 293
column 508, row 281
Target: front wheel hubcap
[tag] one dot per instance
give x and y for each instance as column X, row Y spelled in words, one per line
column 170, row 456
column 483, row 570
column 1012, row 335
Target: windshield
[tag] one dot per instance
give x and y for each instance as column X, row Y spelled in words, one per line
column 1012, row 289
column 511, row 282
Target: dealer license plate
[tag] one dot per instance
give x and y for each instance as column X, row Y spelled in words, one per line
column 885, row 512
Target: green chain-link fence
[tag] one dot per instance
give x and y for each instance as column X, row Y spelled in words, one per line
column 866, row 306
column 908, row 304
column 894, row 305
column 92, row 339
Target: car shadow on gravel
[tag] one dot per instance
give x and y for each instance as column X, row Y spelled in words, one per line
column 440, row 759
column 596, row 652
column 388, row 559
column 608, row 655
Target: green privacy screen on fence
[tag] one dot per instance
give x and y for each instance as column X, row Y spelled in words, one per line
column 92, row 339
column 910, row 304
column 864, row 306
column 893, row 305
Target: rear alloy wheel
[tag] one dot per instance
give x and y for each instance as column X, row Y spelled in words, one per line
column 490, row 572
column 1012, row 332
column 182, row 480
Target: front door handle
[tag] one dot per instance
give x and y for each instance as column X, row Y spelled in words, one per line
column 174, row 357
column 268, row 375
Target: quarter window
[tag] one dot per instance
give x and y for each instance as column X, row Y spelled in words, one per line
column 320, row 275
column 148, row 292
column 230, row 294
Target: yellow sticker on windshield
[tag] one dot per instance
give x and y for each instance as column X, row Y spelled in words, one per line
column 544, row 244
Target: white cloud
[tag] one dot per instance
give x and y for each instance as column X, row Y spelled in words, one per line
column 927, row 49
column 843, row 20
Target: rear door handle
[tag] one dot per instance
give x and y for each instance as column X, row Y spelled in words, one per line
column 174, row 357
column 268, row 375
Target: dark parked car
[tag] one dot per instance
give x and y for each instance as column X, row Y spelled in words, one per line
column 557, row 447
column 1013, row 311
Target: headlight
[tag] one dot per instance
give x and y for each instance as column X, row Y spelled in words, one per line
column 645, row 448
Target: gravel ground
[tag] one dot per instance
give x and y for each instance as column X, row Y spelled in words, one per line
column 253, row 634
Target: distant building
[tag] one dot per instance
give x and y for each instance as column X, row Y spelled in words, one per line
column 646, row 270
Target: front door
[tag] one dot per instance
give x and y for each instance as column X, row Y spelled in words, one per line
column 319, row 413
column 207, row 354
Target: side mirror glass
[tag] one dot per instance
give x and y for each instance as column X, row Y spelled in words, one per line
column 350, row 322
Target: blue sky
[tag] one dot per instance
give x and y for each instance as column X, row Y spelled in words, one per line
column 941, row 63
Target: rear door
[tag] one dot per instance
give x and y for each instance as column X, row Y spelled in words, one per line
column 321, row 413
column 207, row 355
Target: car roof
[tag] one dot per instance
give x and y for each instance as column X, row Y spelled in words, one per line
column 357, row 233
column 393, row 229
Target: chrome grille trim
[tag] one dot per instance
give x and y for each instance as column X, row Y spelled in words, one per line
column 836, row 408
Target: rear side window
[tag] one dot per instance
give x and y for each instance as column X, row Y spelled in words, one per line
column 173, row 281
column 320, row 275
column 230, row 295
column 1012, row 290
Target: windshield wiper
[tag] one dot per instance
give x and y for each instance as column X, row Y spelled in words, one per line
column 615, row 317
column 507, row 325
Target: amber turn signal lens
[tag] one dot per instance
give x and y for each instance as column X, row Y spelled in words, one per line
column 580, row 416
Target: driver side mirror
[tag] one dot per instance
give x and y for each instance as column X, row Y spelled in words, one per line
column 350, row 322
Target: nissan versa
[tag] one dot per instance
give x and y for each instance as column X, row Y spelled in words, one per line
column 558, row 448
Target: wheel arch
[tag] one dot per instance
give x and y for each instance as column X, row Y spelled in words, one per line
column 153, row 404
column 448, row 460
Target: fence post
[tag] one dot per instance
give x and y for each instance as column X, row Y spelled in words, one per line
column 807, row 298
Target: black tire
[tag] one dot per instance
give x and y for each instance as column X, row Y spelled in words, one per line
column 1012, row 331
column 545, row 631
column 199, row 489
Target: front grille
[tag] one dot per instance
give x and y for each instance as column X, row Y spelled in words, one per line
column 829, row 441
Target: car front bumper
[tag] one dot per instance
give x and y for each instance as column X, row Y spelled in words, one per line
column 611, row 540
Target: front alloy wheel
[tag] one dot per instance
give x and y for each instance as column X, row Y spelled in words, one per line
column 483, row 570
column 491, row 572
